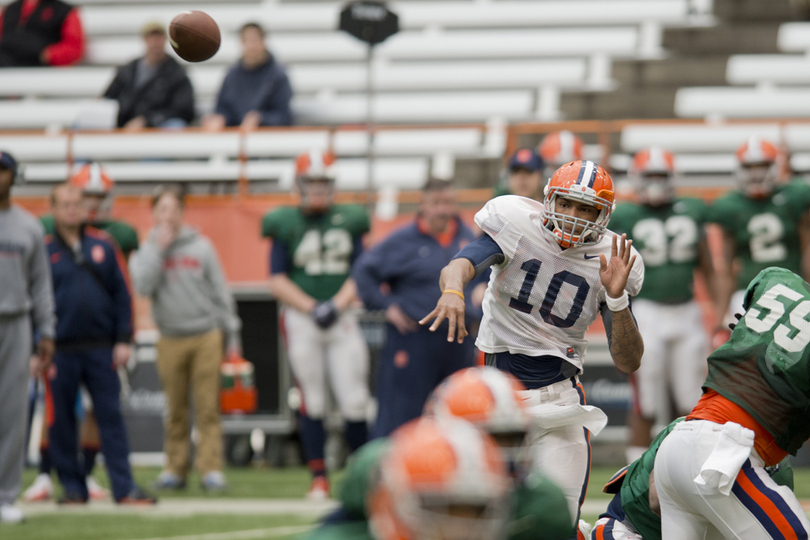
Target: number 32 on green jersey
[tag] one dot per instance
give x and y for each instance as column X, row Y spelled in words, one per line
column 673, row 240
column 324, row 253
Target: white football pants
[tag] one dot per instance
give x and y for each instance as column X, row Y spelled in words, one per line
column 674, row 360
column 755, row 509
column 562, row 453
column 340, row 352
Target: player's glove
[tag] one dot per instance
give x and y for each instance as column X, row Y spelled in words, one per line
column 733, row 325
column 325, row 314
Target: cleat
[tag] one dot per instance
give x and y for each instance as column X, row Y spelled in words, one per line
column 72, row 498
column 319, row 489
column 10, row 514
column 168, row 480
column 214, row 481
column 95, row 491
column 137, row 497
column 40, row 490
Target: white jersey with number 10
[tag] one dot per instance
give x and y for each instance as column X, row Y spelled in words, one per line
column 542, row 298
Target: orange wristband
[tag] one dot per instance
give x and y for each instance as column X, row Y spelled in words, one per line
column 453, row 291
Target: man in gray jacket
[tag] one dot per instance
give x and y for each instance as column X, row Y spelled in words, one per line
column 178, row 269
column 25, row 293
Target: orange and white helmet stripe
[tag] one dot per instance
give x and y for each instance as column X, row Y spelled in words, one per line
column 653, row 160
column 560, row 147
column 756, row 150
column 92, row 179
column 315, row 164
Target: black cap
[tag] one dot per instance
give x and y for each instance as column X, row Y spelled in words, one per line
column 7, row 161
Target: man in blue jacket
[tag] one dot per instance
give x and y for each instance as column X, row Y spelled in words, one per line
column 407, row 266
column 93, row 332
column 256, row 91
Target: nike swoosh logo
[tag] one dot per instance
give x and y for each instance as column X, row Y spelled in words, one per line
column 591, row 256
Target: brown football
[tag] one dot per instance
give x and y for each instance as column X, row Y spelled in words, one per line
column 194, row 36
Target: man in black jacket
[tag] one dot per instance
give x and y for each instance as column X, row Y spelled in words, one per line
column 153, row 91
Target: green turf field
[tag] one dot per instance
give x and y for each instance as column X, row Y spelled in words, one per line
column 260, row 504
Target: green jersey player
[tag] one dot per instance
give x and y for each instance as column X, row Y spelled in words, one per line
column 755, row 410
column 634, row 513
column 669, row 233
column 764, row 224
column 97, row 200
column 314, row 246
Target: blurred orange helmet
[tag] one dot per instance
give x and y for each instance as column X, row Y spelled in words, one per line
column 490, row 399
column 440, row 479
column 652, row 172
column 92, row 179
column 583, row 181
column 560, row 147
column 315, row 165
column 757, row 168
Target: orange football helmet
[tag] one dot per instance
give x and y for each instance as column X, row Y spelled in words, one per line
column 558, row 148
column 490, row 399
column 315, row 179
column 583, row 181
column 757, row 168
column 440, row 480
column 92, row 179
column 652, row 173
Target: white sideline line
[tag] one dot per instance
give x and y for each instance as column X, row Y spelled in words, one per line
column 238, row 535
column 187, row 507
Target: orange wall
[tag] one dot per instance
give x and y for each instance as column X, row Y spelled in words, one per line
column 231, row 222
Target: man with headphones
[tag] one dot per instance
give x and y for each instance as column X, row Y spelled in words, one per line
column 26, row 295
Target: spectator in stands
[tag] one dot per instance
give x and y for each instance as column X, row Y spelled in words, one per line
column 178, row 269
column 93, row 334
column 26, row 294
column 407, row 265
column 256, row 92
column 524, row 176
column 40, row 33
column 154, row 90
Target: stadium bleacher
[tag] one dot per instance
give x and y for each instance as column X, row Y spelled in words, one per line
column 453, row 62
column 538, row 48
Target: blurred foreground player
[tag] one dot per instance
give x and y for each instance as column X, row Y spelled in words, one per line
column 669, row 233
column 96, row 187
column 555, row 268
column 314, row 246
column 487, row 398
column 710, row 471
column 399, row 276
column 26, row 294
column 437, row 479
column 764, row 224
column 93, row 334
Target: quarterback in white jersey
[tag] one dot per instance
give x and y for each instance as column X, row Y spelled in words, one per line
column 555, row 267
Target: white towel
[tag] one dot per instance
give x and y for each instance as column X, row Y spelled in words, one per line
column 550, row 416
column 727, row 458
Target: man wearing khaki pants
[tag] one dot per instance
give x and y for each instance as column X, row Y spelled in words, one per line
column 178, row 269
